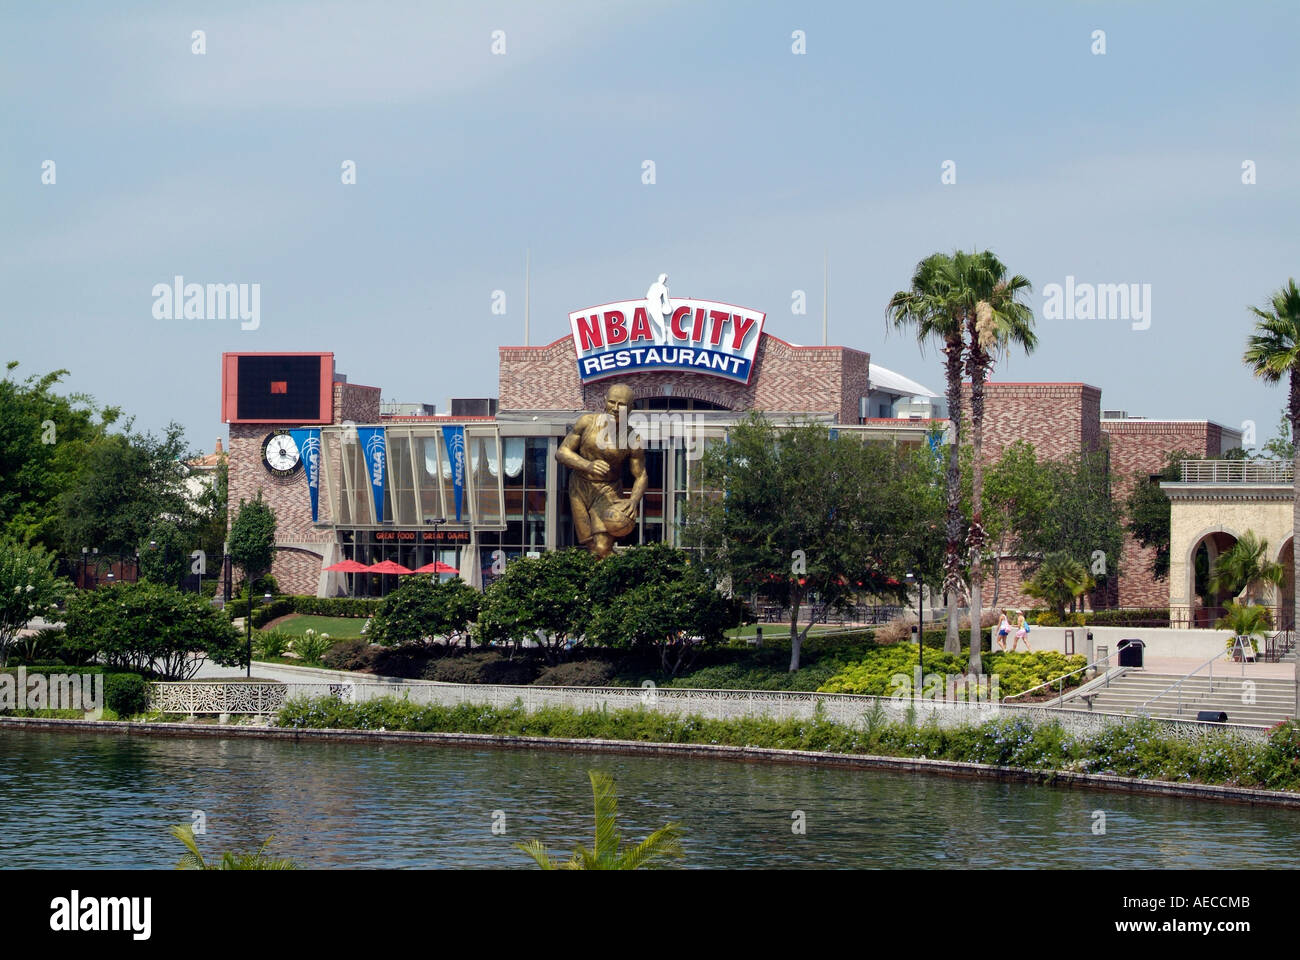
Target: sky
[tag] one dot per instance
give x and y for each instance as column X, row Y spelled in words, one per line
column 472, row 146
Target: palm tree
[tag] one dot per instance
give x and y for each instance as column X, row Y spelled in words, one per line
column 1059, row 580
column 996, row 318
column 257, row 860
column 932, row 310
column 1245, row 565
column 1272, row 351
column 1246, row 621
column 664, row 842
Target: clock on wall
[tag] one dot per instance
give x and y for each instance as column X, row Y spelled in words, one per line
column 280, row 455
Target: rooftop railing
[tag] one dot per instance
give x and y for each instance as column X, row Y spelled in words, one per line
column 1238, row 471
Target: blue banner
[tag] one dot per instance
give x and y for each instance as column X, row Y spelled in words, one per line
column 454, row 438
column 308, row 444
column 374, row 445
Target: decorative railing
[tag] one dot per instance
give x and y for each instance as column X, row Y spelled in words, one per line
column 235, row 697
column 192, row 699
column 1238, row 471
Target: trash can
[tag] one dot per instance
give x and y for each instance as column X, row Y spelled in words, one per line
column 1130, row 652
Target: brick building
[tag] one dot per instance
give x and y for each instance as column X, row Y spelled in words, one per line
column 1061, row 420
column 478, row 485
column 511, row 497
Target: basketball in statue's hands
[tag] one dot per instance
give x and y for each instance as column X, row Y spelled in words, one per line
column 618, row 522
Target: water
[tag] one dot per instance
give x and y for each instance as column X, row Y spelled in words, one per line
column 91, row 801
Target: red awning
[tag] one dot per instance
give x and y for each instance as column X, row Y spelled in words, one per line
column 347, row 566
column 437, row 567
column 388, row 566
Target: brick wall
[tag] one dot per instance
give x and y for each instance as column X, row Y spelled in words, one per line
column 300, row 547
column 786, row 378
column 1059, row 419
column 1139, row 448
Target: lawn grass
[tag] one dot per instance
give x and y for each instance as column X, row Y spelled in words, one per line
column 340, row 628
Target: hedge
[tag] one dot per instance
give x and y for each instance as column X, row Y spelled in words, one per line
column 125, row 694
column 1139, row 747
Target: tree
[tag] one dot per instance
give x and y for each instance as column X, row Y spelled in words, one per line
column 1018, row 495
column 1149, row 514
column 931, row 308
column 192, row 859
column 43, row 442
column 654, row 597
column 1244, row 620
column 211, row 515
column 664, row 843
column 542, row 599
column 163, row 556
column 1246, row 566
column 28, row 589
column 422, row 609
column 129, row 482
column 996, row 319
column 1081, row 519
column 252, row 539
column 1281, row 446
column 153, row 629
column 1059, row 579
column 1273, row 351
column 790, row 512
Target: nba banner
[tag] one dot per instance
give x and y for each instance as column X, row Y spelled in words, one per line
column 375, row 448
column 308, row 444
column 454, row 438
column 662, row 333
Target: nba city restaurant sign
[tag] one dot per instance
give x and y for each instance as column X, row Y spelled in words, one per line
column 663, row 333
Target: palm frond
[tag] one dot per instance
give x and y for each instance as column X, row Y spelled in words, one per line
column 193, row 859
column 663, row 843
column 536, row 850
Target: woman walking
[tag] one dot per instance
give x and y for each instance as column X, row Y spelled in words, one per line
column 1004, row 629
column 1022, row 633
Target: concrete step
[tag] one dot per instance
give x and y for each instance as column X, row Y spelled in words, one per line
column 1140, row 692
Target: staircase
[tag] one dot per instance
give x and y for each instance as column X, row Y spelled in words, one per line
column 1129, row 693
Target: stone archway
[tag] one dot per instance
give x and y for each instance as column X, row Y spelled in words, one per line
column 1285, row 600
column 1207, row 606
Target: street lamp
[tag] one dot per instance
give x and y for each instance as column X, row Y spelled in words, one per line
column 920, row 619
column 85, row 556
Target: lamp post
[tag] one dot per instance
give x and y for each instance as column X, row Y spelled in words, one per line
column 248, row 627
column 920, row 619
column 85, row 556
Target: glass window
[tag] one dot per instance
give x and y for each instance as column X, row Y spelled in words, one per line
column 536, row 462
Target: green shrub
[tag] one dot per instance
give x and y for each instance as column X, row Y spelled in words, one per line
column 311, row 647
column 482, row 666
column 336, row 606
column 579, row 673
column 348, row 655
column 270, row 644
column 264, row 613
column 1138, row 748
column 1136, row 617
column 125, row 694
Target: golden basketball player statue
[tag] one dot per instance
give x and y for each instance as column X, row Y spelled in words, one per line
column 594, row 451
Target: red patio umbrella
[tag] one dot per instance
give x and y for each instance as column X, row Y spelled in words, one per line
column 436, row 567
column 388, row 566
column 347, row 566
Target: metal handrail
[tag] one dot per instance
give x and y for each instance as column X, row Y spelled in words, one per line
column 1179, row 683
column 1238, row 471
column 1060, row 681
